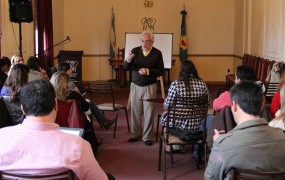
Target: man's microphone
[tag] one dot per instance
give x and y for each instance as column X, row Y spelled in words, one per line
column 67, row 37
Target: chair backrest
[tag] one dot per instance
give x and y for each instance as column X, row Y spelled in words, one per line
column 121, row 53
column 103, row 89
column 237, row 174
column 270, row 89
column 193, row 109
column 70, row 114
column 68, row 175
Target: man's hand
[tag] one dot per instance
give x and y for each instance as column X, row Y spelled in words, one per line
column 143, row 71
column 130, row 57
column 217, row 134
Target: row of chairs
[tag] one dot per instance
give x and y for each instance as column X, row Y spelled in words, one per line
column 261, row 66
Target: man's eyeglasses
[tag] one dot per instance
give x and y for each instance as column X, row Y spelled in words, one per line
column 147, row 41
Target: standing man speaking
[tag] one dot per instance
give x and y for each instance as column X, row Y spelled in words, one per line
column 146, row 64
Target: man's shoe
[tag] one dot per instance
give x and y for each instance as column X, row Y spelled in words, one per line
column 148, row 143
column 132, row 139
column 108, row 123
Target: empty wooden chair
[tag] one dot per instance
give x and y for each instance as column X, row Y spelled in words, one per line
column 105, row 89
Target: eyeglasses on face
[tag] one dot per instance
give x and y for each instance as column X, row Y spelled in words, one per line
column 146, row 41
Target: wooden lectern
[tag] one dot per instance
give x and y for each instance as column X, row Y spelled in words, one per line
column 75, row 60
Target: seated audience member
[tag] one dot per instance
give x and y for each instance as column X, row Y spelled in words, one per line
column 104, row 121
column 278, row 121
column 60, row 81
column 276, row 103
column 11, row 90
column 66, row 67
column 38, row 147
column 188, row 84
column 36, row 72
column 16, row 59
column 243, row 73
column 252, row 144
column 5, row 65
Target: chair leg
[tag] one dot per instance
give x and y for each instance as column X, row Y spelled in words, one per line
column 206, row 154
column 199, row 157
column 159, row 154
column 127, row 119
column 164, row 168
column 116, row 119
column 117, row 76
column 157, row 126
column 171, row 154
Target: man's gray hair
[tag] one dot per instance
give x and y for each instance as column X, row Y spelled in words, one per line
column 149, row 33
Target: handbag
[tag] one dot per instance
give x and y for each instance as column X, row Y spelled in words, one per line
column 187, row 136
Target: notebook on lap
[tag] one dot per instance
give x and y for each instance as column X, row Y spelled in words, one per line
column 74, row 131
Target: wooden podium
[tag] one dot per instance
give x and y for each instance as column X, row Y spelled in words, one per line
column 75, row 60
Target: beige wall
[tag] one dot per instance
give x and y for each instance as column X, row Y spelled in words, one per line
column 210, row 31
column 217, row 31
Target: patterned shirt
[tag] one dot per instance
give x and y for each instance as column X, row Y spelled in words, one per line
column 40, row 148
column 177, row 88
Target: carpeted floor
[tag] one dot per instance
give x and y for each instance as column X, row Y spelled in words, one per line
column 128, row 161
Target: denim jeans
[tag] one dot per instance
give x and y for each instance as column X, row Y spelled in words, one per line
column 197, row 149
column 96, row 112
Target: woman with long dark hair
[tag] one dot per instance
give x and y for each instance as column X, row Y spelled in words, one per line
column 189, row 84
column 11, row 89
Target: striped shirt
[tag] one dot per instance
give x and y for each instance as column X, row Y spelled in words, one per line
column 40, row 148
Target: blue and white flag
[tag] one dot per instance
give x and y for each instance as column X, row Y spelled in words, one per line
column 113, row 42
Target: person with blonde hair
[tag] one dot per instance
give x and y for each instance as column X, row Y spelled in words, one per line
column 16, row 59
column 60, row 81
